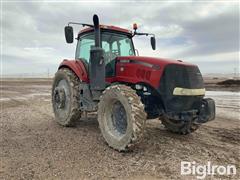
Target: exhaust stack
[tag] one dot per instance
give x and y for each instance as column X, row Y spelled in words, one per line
column 96, row 30
column 97, row 64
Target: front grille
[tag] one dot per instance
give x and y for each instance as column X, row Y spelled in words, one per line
column 184, row 77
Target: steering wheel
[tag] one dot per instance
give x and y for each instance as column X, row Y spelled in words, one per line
column 115, row 52
column 130, row 52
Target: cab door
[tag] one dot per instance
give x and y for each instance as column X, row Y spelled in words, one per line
column 93, row 59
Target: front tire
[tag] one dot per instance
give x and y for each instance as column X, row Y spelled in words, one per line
column 121, row 117
column 65, row 97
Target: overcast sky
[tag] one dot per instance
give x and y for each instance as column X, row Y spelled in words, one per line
column 204, row 33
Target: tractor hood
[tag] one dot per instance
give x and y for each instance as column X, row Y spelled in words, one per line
column 154, row 61
column 179, row 84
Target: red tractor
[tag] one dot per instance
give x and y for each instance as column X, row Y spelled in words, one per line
column 126, row 89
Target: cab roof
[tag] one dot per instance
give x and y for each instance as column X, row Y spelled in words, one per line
column 106, row 27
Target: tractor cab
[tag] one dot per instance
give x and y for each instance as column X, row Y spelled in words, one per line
column 99, row 46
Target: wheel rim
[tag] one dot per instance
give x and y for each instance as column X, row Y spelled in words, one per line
column 61, row 99
column 119, row 118
column 117, row 124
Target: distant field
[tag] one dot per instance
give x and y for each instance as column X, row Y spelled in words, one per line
column 25, row 81
column 210, row 82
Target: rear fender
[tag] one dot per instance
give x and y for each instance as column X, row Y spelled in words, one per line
column 77, row 67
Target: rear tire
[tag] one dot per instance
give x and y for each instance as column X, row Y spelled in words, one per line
column 65, row 97
column 179, row 127
column 121, row 117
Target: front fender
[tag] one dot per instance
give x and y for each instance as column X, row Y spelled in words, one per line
column 77, row 67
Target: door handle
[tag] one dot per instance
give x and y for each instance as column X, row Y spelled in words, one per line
column 101, row 62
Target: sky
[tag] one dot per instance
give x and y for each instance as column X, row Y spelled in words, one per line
column 205, row 33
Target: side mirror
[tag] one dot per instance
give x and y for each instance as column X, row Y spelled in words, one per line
column 69, row 34
column 153, row 42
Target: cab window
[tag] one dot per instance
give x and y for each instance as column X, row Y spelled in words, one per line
column 84, row 46
column 116, row 45
column 113, row 45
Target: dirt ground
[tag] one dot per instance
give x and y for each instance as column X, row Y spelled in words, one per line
column 34, row 146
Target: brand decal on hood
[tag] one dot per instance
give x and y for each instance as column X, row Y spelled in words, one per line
column 154, row 66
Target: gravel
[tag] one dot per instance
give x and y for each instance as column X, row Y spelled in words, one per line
column 34, row 146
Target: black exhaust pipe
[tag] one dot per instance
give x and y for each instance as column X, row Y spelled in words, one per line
column 96, row 30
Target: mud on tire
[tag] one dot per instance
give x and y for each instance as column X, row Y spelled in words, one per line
column 121, row 117
column 65, row 106
column 183, row 127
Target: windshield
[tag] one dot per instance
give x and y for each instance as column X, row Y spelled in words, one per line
column 116, row 45
column 113, row 44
